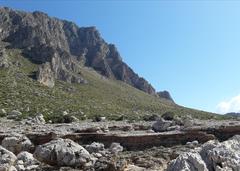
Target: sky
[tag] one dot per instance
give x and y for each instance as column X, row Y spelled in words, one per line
column 190, row 48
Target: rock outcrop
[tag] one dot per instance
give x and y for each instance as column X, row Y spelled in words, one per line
column 62, row 48
column 165, row 95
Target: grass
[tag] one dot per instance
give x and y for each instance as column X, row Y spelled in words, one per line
column 100, row 97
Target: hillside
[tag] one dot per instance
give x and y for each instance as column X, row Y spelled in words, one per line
column 100, row 96
column 50, row 66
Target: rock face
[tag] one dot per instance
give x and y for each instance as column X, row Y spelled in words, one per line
column 62, row 47
column 166, row 95
column 62, row 152
column 45, row 75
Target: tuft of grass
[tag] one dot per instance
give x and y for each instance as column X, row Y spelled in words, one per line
column 101, row 96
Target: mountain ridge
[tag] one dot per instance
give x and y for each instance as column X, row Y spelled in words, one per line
column 62, row 45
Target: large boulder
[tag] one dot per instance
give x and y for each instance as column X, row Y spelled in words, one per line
column 17, row 143
column 7, row 159
column 191, row 161
column 63, row 152
column 162, row 125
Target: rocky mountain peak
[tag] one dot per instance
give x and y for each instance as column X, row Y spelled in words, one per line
column 44, row 39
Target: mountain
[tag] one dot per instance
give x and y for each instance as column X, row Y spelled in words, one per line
column 233, row 114
column 50, row 65
column 60, row 46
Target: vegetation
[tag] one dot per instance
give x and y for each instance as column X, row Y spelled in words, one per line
column 99, row 97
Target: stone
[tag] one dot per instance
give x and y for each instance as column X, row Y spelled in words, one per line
column 193, row 143
column 38, row 119
column 17, row 143
column 95, row 147
column 115, row 148
column 3, row 111
column 14, row 114
column 26, row 161
column 63, row 152
column 191, row 161
column 162, row 125
column 7, row 159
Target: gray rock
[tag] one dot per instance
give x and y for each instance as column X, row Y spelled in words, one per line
column 188, row 162
column 95, row 147
column 115, row 148
column 162, row 125
column 39, row 119
column 17, row 143
column 63, row 152
column 26, row 161
column 7, row 159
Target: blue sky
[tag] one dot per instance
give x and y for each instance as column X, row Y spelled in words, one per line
column 190, row 48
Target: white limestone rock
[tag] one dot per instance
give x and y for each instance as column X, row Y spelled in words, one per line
column 63, row 152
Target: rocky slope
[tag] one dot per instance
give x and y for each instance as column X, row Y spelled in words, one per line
column 33, row 144
column 61, row 46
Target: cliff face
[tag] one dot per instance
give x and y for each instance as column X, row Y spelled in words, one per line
column 61, row 47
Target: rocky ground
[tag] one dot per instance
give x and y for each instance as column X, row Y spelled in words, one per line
column 167, row 144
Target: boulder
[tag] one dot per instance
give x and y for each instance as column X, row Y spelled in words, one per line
column 39, row 119
column 162, row 125
column 26, row 161
column 63, row 152
column 191, row 161
column 7, row 159
column 95, row 147
column 115, row 148
column 17, row 143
